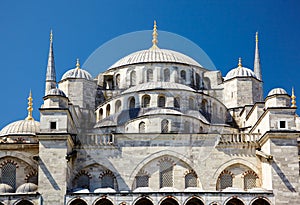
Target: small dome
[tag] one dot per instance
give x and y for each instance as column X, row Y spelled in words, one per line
column 27, row 187
column 240, row 71
column 77, row 73
column 30, row 127
column 277, row 91
column 56, row 91
column 155, row 56
column 5, row 188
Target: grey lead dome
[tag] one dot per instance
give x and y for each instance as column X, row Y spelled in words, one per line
column 155, row 55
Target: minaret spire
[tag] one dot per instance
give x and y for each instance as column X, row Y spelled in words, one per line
column 50, row 75
column 257, row 69
column 154, row 35
column 29, row 108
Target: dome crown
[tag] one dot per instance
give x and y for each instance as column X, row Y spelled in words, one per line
column 240, row 71
column 56, row 91
column 277, row 91
column 77, row 73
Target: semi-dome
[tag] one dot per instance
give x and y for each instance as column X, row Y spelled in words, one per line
column 77, row 73
column 27, row 187
column 30, row 127
column 155, row 56
column 240, row 71
column 56, row 91
column 5, row 188
column 277, row 91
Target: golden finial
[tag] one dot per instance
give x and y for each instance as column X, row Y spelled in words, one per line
column 154, row 35
column 51, row 36
column 77, row 64
column 293, row 99
column 256, row 36
column 29, row 108
column 240, row 62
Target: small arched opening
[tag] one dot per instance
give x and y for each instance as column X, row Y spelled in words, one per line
column 234, row 201
column 78, row 202
column 143, row 201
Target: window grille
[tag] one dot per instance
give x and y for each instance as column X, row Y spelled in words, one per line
column 249, row 181
column 107, row 181
column 190, row 180
column 164, row 126
column 161, row 101
column 142, row 181
column 167, row 75
column 142, row 127
column 8, row 175
column 166, row 174
column 132, row 78
column 83, row 181
column 33, row 179
column 149, row 75
column 225, row 180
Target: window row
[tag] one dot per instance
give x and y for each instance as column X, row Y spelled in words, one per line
column 161, row 100
column 226, row 179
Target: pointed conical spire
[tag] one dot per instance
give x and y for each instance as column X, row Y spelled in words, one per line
column 29, row 108
column 257, row 69
column 293, row 97
column 50, row 75
column 154, row 37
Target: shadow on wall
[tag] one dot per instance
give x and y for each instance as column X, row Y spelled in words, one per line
column 283, row 177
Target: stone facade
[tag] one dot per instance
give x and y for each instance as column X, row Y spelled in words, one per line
column 155, row 128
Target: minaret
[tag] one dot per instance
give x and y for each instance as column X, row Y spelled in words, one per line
column 257, row 69
column 293, row 97
column 50, row 75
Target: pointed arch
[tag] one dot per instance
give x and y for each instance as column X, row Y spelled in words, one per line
column 133, row 78
column 194, row 200
column 24, row 202
column 260, row 201
column 169, row 200
column 144, row 200
column 103, row 201
column 234, row 200
column 77, row 201
column 142, row 127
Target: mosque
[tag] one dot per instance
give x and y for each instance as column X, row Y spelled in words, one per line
column 155, row 128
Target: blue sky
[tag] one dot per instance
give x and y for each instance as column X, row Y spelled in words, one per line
column 225, row 30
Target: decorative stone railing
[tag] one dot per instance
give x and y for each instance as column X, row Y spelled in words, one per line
column 239, row 138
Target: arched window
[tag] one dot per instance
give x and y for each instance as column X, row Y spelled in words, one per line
column 8, row 174
column 165, row 126
column 78, row 202
column 190, row 180
column 131, row 103
column 24, row 202
column 196, row 201
column 204, row 106
column 183, row 76
column 169, row 201
column 197, row 81
column 166, row 75
column 118, row 106
column 250, row 180
column 83, row 181
column 132, row 78
column 142, row 127
column 142, row 179
column 118, row 78
column 225, row 180
column 234, row 201
column 107, row 110
column 101, row 114
column 191, row 103
column 104, row 202
column 149, row 75
column 143, row 201
column 177, row 102
column 146, row 101
column 260, row 201
column 165, row 174
column 108, row 180
column 161, row 101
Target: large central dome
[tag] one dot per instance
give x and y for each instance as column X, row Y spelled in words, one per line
column 155, row 55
